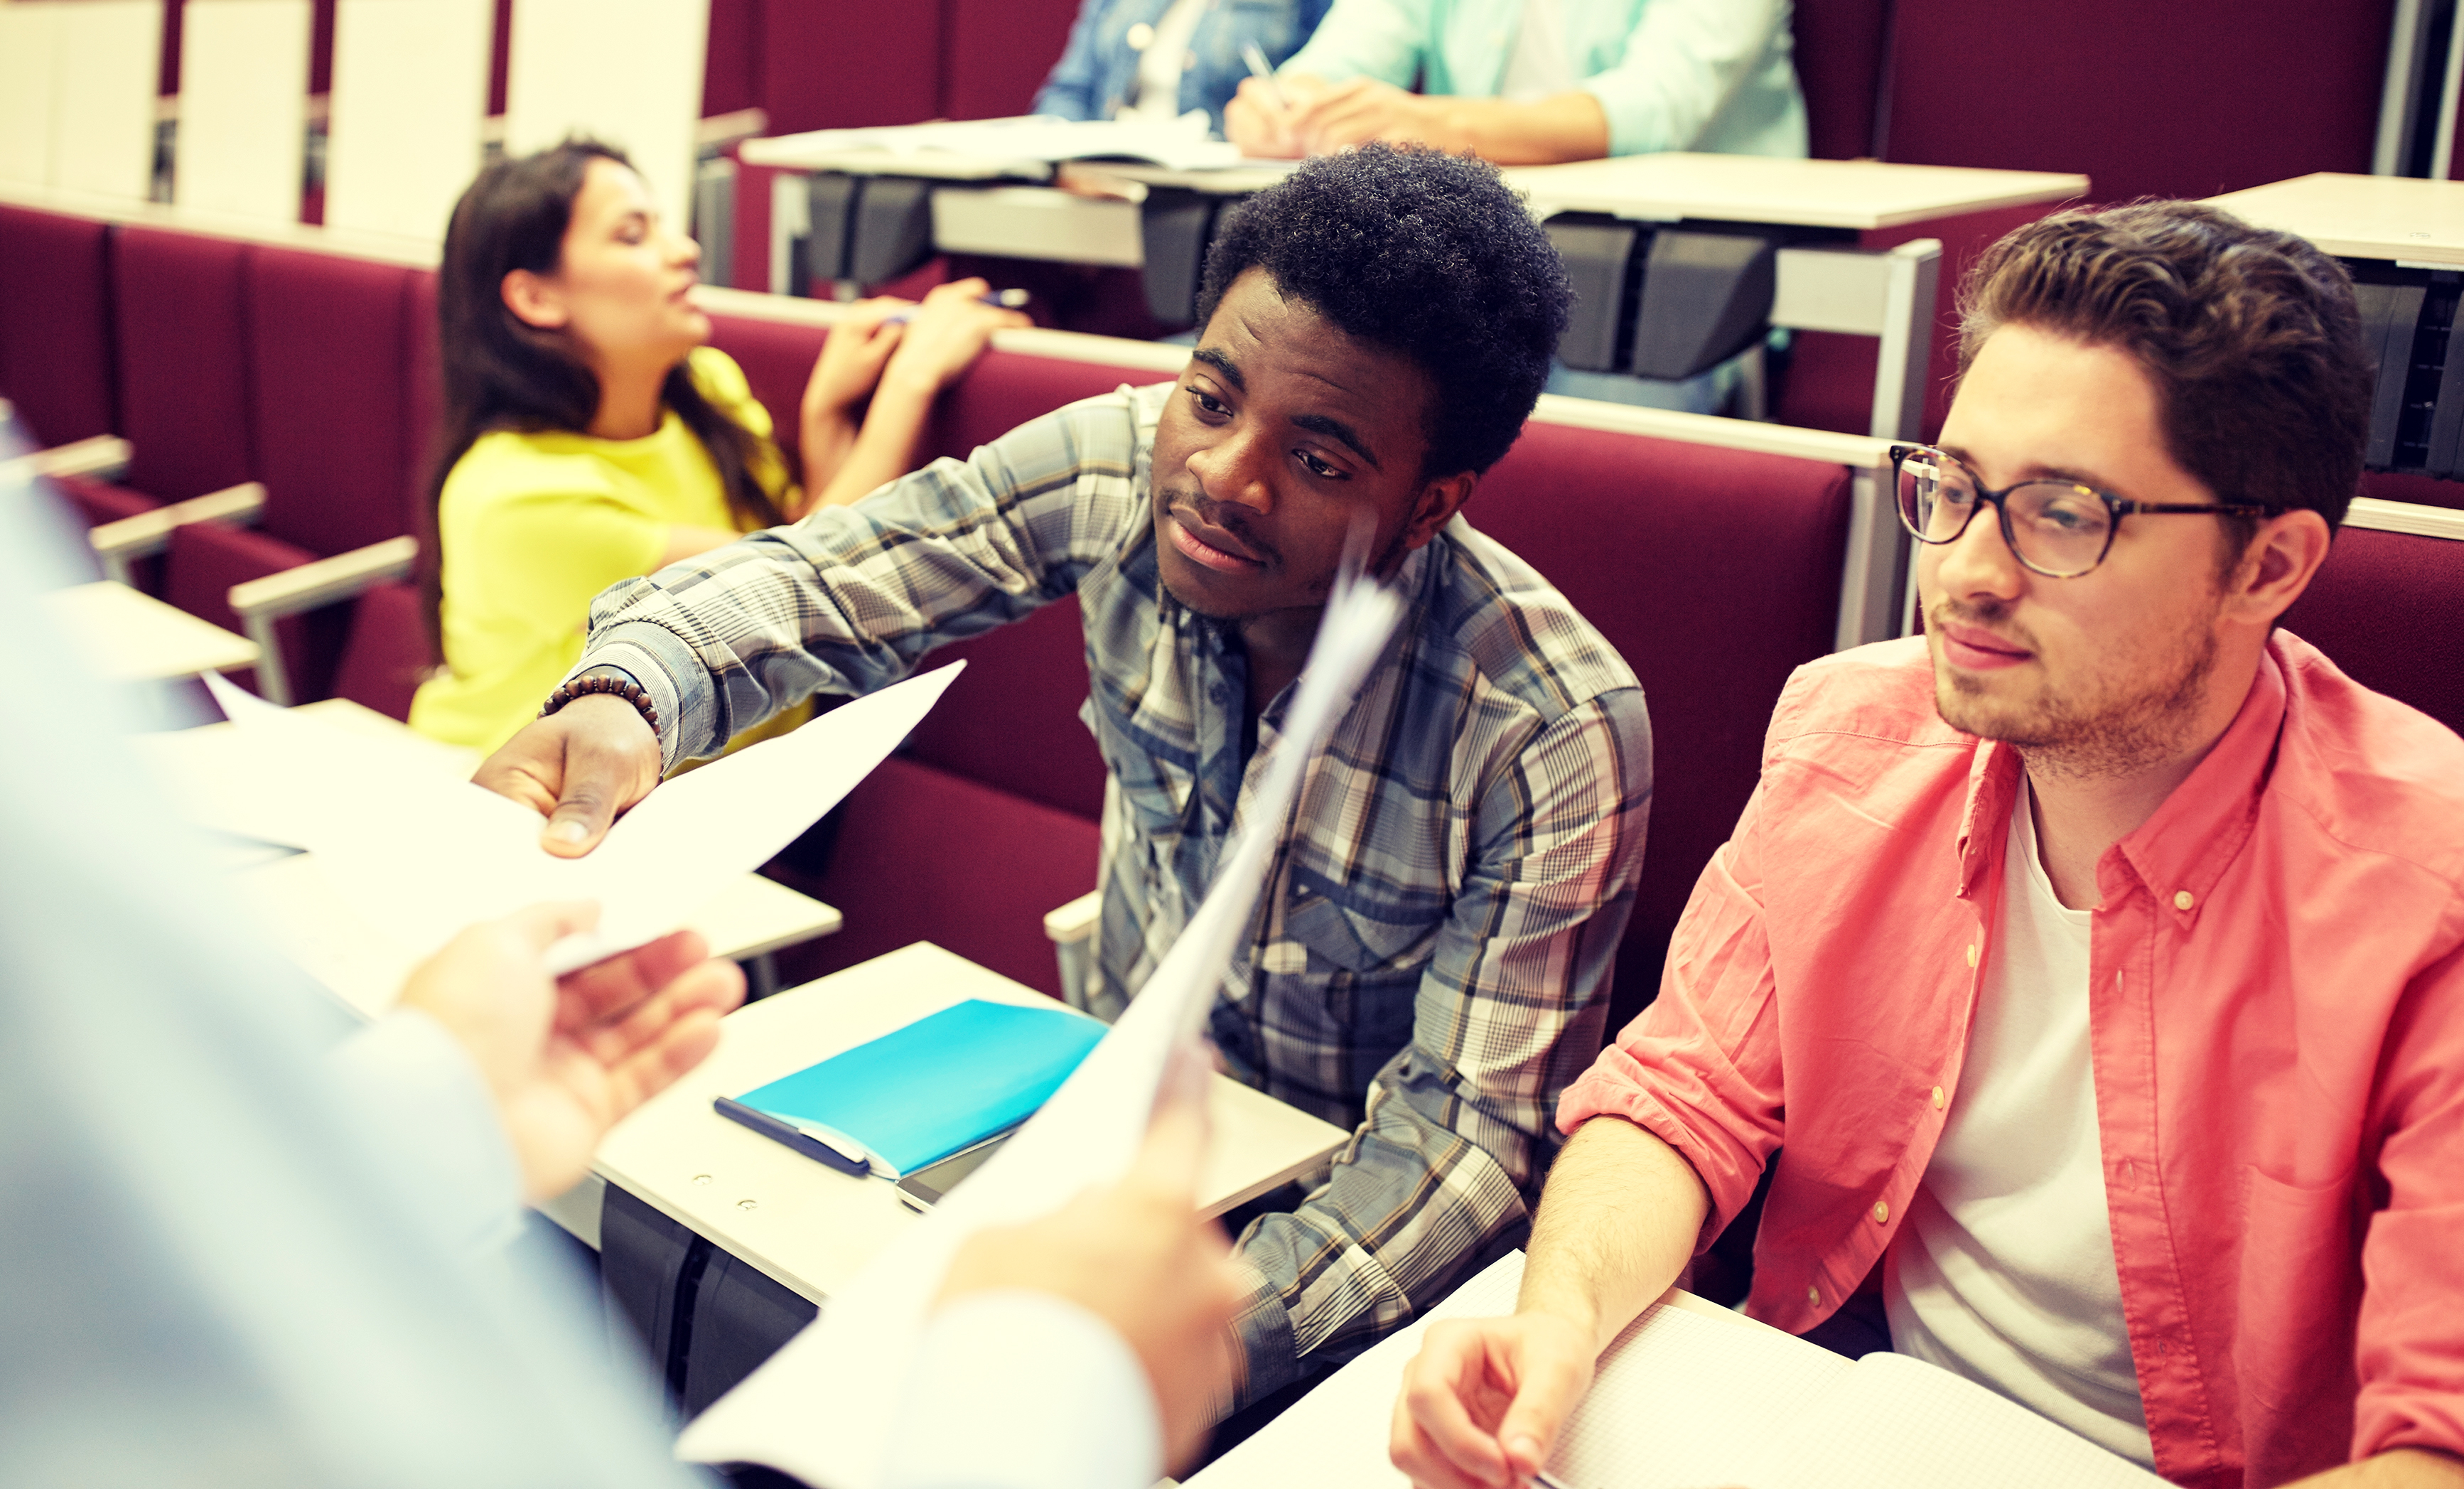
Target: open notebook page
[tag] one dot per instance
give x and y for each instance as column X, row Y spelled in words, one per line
column 1682, row 1401
column 1898, row 1423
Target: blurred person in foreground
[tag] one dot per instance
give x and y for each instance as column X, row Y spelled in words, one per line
column 592, row 433
column 2097, row 958
column 1531, row 82
column 253, row 1242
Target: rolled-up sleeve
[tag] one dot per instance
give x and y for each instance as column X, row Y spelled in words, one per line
column 1457, row 1140
column 852, row 598
column 1699, row 1068
column 1685, row 61
column 2410, row 1339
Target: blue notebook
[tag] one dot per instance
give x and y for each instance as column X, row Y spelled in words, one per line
column 918, row 1094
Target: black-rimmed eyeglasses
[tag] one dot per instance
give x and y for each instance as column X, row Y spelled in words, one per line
column 2059, row 529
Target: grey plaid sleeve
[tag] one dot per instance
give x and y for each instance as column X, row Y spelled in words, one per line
column 1513, row 1008
column 851, row 598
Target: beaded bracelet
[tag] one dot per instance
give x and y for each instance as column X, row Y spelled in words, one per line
column 611, row 682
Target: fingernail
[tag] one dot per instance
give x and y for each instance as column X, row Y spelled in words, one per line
column 568, row 832
column 1526, row 1447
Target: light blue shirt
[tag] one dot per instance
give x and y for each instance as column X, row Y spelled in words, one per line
column 1671, row 75
column 251, row 1243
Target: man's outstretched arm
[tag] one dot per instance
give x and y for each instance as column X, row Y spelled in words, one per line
column 1483, row 1402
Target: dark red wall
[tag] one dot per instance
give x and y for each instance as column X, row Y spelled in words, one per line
column 2187, row 97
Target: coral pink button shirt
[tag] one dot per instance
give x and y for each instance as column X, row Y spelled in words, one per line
column 2277, row 1010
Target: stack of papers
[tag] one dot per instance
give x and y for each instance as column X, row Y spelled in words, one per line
column 1687, row 1399
column 1182, row 144
column 416, row 857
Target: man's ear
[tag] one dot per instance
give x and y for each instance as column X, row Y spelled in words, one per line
column 535, row 300
column 2277, row 565
column 1438, row 502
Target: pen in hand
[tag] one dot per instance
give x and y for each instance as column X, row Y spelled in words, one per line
column 1256, row 57
column 1003, row 300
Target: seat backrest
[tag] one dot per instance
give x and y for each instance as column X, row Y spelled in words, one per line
column 2385, row 607
column 1839, row 47
column 1011, row 719
column 777, row 357
column 850, row 63
column 183, row 341
column 1716, row 572
column 1006, row 388
column 56, row 363
column 327, row 348
column 389, row 651
column 999, row 53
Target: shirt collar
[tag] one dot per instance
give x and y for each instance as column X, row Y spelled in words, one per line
column 2184, row 848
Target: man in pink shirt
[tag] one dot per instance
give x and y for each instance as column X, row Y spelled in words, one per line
column 2094, row 957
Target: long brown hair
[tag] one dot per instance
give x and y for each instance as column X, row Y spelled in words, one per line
column 501, row 373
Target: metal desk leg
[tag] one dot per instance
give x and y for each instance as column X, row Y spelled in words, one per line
column 1914, row 272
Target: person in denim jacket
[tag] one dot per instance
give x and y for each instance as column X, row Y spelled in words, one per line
column 1119, row 48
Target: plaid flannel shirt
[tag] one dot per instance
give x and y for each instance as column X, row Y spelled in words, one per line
column 1430, row 962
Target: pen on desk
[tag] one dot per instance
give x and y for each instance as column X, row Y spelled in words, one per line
column 811, row 1146
column 1548, row 1480
column 1004, row 299
column 1256, row 57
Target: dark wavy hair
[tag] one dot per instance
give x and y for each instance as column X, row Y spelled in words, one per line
column 1425, row 254
column 2251, row 337
column 501, row 373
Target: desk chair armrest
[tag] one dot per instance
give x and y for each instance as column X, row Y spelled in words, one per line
column 261, row 602
column 102, row 457
column 121, row 543
column 1072, row 930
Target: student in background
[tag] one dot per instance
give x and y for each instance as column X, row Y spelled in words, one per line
column 1526, row 82
column 1158, row 59
column 590, row 436
column 2097, row 958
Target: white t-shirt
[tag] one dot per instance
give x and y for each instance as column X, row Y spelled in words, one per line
column 2005, row 1271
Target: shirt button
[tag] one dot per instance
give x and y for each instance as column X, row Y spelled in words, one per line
column 1881, row 1212
column 1937, row 1098
column 1972, row 954
column 1814, row 1297
column 2184, row 899
column 1140, row 38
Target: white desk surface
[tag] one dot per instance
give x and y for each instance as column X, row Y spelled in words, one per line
column 2362, row 216
column 210, row 774
column 1763, row 189
column 1659, row 188
column 130, row 636
column 811, row 1227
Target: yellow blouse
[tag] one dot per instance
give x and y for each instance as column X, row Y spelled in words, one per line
column 531, row 526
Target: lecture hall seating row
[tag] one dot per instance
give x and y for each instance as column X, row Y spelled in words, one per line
column 1711, row 552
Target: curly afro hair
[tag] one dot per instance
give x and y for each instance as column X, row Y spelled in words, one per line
column 1427, row 255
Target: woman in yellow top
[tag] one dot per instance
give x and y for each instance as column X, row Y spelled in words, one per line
column 592, row 437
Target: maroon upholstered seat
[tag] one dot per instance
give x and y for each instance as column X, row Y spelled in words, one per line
column 182, row 334
column 327, row 353
column 2388, row 608
column 999, row 53
column 851, row 63
column 1716, row 572
column 777, row 357
column 1011, row 720
column 1006, row 389
column 926, row 855
column 56, row 324
column 389, row 651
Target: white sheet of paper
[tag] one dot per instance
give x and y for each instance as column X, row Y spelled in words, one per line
column 820, row 1409
column 423, row 857
column 1180, row 144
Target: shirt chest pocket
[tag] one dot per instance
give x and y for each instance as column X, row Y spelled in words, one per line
column 1356, row 974
column 1156, row 778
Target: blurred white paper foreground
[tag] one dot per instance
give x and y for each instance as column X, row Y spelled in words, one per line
column 420, row 857
column 822, row 1407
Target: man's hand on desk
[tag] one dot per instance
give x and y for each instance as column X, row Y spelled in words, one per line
column 565, row 1057
column 1138, row 1256
column 1483, row 1401
column 578, row 768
